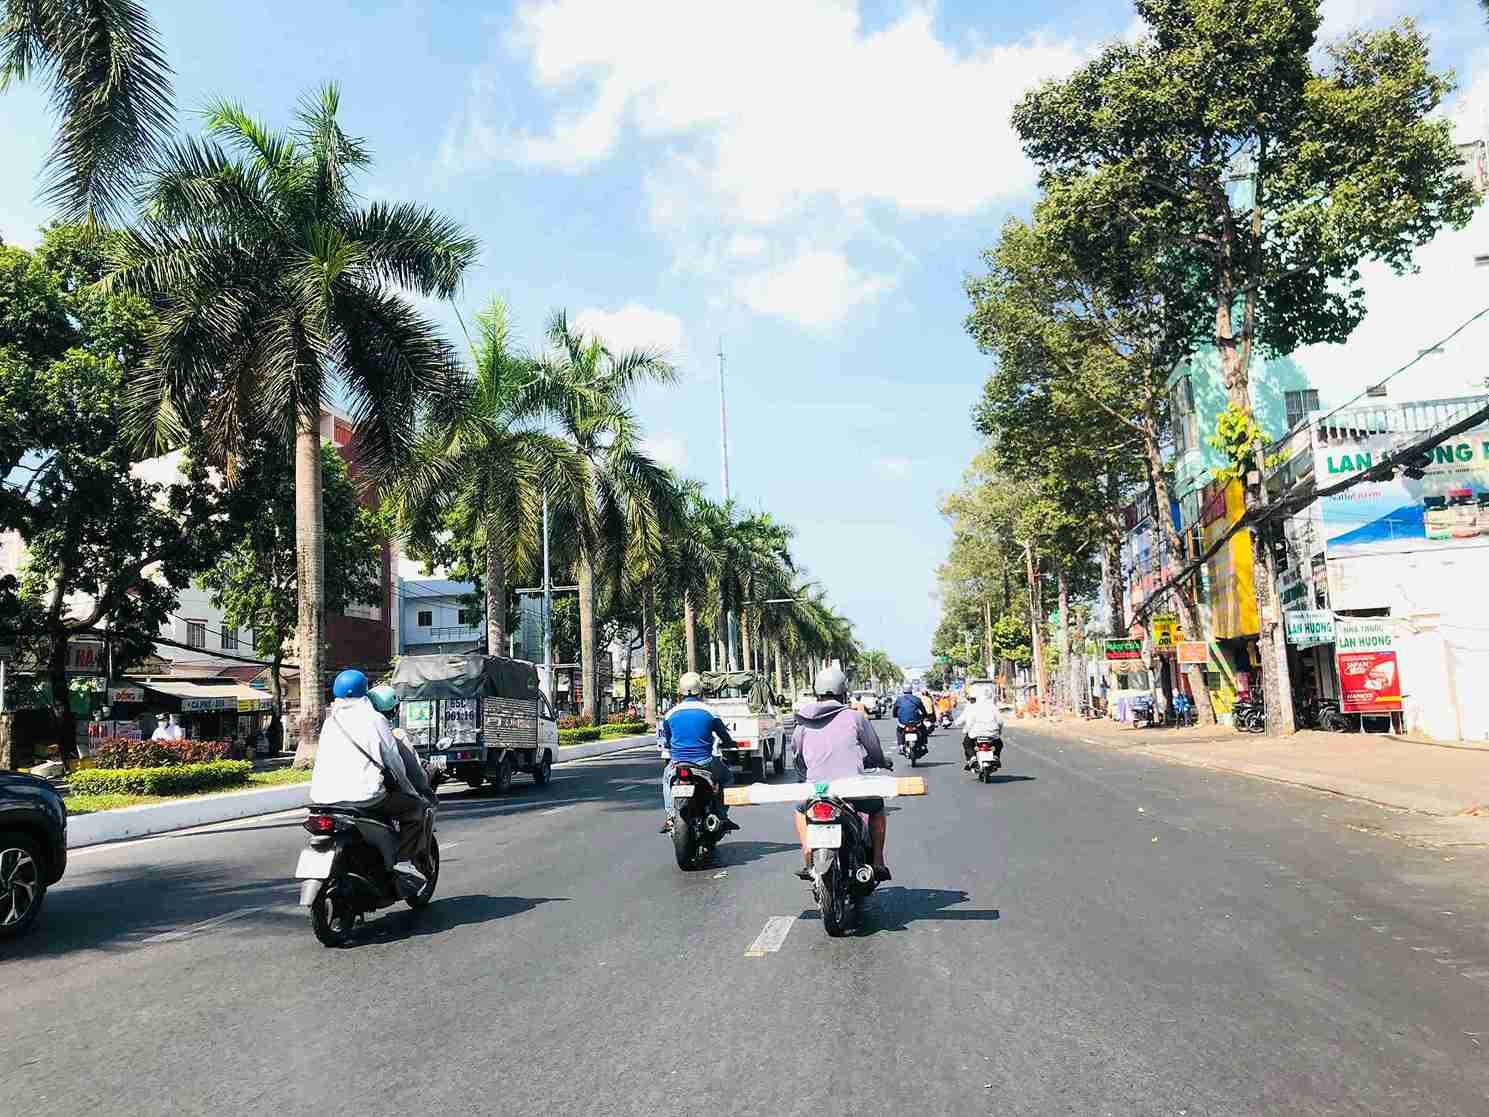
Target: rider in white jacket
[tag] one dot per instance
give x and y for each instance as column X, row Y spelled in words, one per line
column 980, row 718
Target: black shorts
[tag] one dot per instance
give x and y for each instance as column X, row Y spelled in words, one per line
column 870, row 807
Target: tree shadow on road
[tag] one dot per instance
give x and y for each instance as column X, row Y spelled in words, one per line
column 731, row 853
column 894, row 909
column 445, row 915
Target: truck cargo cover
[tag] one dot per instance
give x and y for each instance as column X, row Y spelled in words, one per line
column 420, row 678
column 757, row 688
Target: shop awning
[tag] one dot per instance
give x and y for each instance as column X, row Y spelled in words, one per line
column 211, row 698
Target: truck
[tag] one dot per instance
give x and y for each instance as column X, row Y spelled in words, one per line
column 751, row 712
column 477, row 718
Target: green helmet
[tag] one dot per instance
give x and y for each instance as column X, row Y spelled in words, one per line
column 384, row 698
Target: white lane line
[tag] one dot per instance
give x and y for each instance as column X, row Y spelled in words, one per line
column 769, row 940
column 204, row 925
column 559, row 810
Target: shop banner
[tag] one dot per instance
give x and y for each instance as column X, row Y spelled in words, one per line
column 1370, row 634
column 126, row 694
column 1369, row 682
column 1307, row 628
column 1165, row 629
column 1193, row 652
column 1124, row 650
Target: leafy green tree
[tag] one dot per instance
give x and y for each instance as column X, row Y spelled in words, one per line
column 255, row 583
column 1261, row 171
column 277, row 292
column 110, row 86
column 110, row 539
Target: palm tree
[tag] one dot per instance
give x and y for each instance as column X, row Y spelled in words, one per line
column 626, row 489
column 485, row 466
column 277, row 292
column 109, row 84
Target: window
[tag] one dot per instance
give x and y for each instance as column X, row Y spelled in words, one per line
column 426, row 618
column 1186, row 424
column 462, row 617
column 196, row 634
column 1299, row 403
column 229, row 640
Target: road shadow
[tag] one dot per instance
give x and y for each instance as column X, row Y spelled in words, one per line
column 930, row 764
column 732, row 853
column 445, row 914
column 893, row 908
column 1003, row 777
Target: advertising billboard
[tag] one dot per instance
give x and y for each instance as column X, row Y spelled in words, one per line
column 1369, row 675
column 1447, row 507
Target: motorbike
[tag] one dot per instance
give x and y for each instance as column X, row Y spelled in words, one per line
column 349, row 868
column 1320, row 713
column 914, row 740
column 985, row 756
column 842, row 862
column 1249, row 715
column 698, row 822
column 946, row 719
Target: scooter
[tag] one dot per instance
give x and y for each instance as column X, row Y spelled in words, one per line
column 985, row 757
column 698, row 820
column 914, row 741
column 842, row 867
column 349, row 868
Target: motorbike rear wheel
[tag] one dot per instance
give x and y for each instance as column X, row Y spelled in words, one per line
column 832, row 901
column 431, row 877
column 331, row 918
column 684, row 843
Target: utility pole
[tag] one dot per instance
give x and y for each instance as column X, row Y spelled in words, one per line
column 730, row 663
column 547, row 612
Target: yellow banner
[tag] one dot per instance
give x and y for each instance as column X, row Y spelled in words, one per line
column 1232, row 586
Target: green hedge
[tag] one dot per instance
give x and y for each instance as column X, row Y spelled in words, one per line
column 624, row 729
column 578, row 734
column 175, row 779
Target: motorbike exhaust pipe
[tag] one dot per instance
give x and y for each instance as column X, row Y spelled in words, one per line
column 864, row 874
column 712, row 823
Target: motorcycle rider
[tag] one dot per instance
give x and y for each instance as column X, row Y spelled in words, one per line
column 980, row 718
column 358, row 762
column 907, row 712
column 689, row 729
column 831, row 741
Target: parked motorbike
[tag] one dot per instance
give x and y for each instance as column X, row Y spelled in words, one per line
column 349, row 869
column 915, row 740
column 985, row 756
column 1249, row 715
column 698, row 821
column 1320, row 713
column 842, row 862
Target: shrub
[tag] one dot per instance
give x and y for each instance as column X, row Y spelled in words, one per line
column 172, row 779
column 623, row 729
column 573, row 721
column 125, row 752
column 577, row 734
column 625, row 717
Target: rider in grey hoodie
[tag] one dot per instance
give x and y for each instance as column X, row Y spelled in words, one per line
column 832, row 740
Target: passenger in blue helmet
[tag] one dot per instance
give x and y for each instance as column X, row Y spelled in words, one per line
column 358, row 762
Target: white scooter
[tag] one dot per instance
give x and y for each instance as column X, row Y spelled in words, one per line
column 985, row 757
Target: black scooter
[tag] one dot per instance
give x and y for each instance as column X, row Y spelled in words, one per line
column 348, row 869
column 842, row 866
column 914, row 740
column 698, row 820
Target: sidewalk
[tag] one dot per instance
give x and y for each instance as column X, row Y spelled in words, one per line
column 1400, row 772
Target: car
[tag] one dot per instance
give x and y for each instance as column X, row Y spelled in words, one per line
column 33, row 848
column 869, row 701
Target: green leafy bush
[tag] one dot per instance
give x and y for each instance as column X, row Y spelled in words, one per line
column 573, row 721
column 173, row 779
column 578, row 734
column 125, row 752
column 623, row 729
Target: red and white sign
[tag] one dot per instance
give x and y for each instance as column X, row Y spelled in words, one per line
column 1369, row 682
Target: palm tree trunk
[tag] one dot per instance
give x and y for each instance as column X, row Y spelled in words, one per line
column 780, row 668
column 310, row 562
column 1035, row 635
column 649, row 639
column 496, row 595
column 690, row 630
column 276, row 689
column 745, row 662
column 589, row 670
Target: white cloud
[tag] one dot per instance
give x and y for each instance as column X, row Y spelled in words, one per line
column 669, row 448
column 892, row 468
column 746, row 245
column 633, row 326
column 817, row 288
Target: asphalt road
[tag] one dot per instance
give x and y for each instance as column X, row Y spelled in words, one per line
column 1099, row 933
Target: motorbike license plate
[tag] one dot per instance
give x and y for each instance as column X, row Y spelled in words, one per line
column 912, row 738
column 440, row 762
column 824, row 837
column 314, row 864
column 683, row 791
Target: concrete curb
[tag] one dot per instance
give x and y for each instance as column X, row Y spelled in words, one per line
column 157, row 818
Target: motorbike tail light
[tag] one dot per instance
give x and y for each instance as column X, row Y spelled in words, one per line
column 822, row 812
column 683, row 774
column 320, row 824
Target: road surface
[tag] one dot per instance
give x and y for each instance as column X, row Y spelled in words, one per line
column 1098, row 933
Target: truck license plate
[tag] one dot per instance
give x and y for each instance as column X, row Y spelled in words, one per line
column 440, row 762
column 683, row 791
column 825, row 837
column 314, row 864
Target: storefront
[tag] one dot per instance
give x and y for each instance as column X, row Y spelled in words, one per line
column 211, row 710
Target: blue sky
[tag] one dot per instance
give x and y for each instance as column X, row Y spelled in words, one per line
column 808, row 181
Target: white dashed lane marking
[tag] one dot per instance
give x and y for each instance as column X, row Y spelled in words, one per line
column 769, row 940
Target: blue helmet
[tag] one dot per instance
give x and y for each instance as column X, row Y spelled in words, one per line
column 351, row 683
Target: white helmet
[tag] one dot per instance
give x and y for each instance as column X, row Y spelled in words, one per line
column 831, row 680
column 690, row 685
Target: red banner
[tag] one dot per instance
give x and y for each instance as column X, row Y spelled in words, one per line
column 1369, row 682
